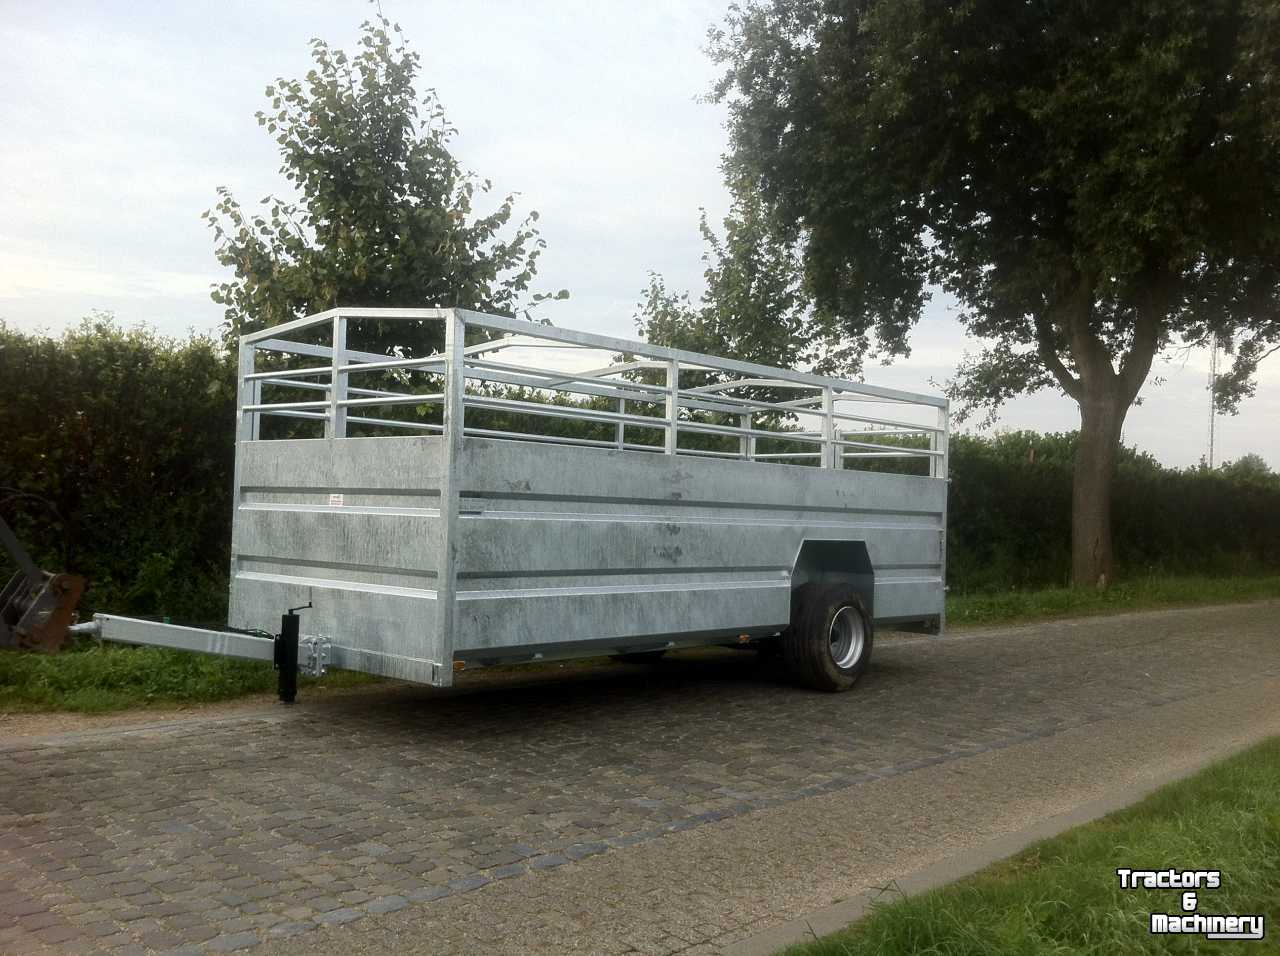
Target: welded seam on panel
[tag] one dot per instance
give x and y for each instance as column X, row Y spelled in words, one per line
column 332, row 489
column 690, row 503
column 338, row 565
column 600, row 572
column 745, row 520
column 375, row 510
column 575, row 590
column 331, row 584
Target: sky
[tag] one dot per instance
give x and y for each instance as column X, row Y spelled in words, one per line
column 121, row 118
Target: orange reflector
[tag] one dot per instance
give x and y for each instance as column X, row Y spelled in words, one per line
column 743, row 638
column 459, row 665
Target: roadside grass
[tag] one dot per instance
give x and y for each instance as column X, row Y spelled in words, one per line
column 1062, row 896
column 1008, row 607
column 95, row 678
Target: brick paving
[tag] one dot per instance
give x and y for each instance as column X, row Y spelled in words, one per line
column 217, row 835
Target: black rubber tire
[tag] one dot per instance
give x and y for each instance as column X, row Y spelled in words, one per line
column 806, row 644
column 639, row 657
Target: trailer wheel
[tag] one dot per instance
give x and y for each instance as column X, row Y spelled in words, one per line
column 828, row 644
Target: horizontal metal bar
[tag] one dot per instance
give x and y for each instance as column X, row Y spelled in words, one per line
column 733, row 403
column 788, row 454
column 887, row 422
column 318, row 387
column 315, row 416
column 740, row 432
column 527, row 436
column 315, row 351
column 129, row 630
column 379, row 312
column 563, row 377
column 752, row 382
column 586, row 384
column 879, row 432
column 403, row 399
column 621, row 367
column 562, row 411
column 306, row 322
column 284, row 406
column 870, row 454
column 395, row 423
column 412, row 363
column 708, row 453
column 902, row 452
column 605, row 388
column 291, row 373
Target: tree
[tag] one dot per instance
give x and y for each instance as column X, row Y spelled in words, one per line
column 1093, row 182
column 386, row 214
column 1250, row 468
column 754, row 307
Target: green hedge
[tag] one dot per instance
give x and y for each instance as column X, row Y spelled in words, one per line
column 1010, row 515
column 118, row 460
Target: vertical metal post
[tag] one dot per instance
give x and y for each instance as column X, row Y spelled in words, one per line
column 455, row 333
column 746, row 444
column 939, row 467
column 940, row 442
column 248, row 392
column 455, row 385
column 247, row 424
column 336, row 427
column 620, row 433
column 673, row 405
column 828, row 428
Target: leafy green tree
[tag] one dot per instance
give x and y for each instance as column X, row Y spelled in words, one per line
column 385, row 216
column 1094, row 182
column 1249, row 468
column 754, row 307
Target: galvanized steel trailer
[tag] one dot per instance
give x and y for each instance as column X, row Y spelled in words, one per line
column 531, row 493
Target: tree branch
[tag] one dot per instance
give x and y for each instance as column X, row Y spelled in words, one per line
column 1047, row 348
column 1136, row 364
column 1088, row 352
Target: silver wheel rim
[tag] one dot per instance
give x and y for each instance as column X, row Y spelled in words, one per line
column 846, row 637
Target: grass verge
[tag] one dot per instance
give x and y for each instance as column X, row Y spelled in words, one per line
column 95, row 678
column 1062, row 896
column 1008, row 607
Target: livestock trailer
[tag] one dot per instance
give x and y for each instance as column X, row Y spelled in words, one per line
column 473, row 489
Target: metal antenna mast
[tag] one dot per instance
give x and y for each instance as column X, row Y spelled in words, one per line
column 1213, row 407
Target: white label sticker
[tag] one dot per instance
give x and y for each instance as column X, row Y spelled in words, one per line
column 335, row 501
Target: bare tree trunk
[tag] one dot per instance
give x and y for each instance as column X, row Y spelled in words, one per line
column 1104, row 394
column 1092, row 561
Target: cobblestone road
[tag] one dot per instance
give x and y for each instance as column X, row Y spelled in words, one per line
column 212, row 835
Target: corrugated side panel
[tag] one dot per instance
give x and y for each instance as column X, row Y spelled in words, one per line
column 561, row 545
column 352, row 525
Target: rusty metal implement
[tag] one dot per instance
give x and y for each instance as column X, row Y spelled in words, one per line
column 36, row 607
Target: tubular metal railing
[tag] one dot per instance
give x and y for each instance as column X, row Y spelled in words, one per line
column 637, row 388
